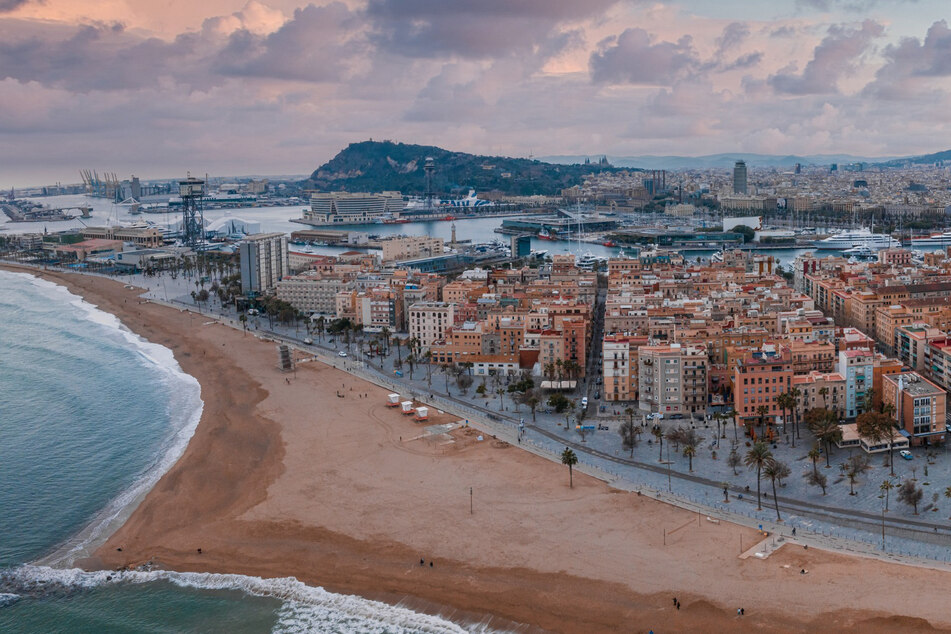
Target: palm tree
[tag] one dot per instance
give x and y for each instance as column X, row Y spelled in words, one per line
column 732, row 415
column 853, row 468
column 757, row 458
column 385, row 334
column 888, row 409
column 888, row 485
column 776, row 470
column 630, row 412
column 532, row 402
column 782, row 401
column 689, row 452
column 794, row 395
column 762, row 411
column 814, row 455
column 827, row 432
column 569, row 458
column 428, row 356
column 411, row 360
column 659, row 435
column 823, row 392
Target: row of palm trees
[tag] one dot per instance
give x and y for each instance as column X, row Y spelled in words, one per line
column 562, row 368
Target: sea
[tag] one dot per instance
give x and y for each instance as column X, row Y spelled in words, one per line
column 91, row 416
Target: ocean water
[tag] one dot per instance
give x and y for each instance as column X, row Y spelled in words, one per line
column 91, row 416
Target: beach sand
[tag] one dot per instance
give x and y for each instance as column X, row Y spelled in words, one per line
column 285, row 478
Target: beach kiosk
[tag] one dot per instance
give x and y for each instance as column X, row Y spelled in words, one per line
column 422, row 413
column 407, row 408
column 393, row 400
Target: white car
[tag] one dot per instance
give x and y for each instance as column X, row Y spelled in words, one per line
column 308, row 341
column 341, row 354
column 904, row 453
column 584, row 402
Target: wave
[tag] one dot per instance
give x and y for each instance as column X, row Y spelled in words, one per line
column 185, row 408
column 304, row 608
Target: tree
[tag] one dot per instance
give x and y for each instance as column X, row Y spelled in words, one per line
column 814, row 455
column 629, row 433
column 888, row 485
column 732, row 415
column 569, row 408
column 911, row 494
column 747, row 232
column 757, row 458
column 794, row 395
column 823, row 392
column 659, row 435
column 876, row 427
column 689, row 453
column 762, row 411
column 558, row 401
column 463, row 382
column 782, row 401
column 569, row 458
column 776, row 470
column 532, row 398
column 854, row 467
column 445, row 367
column 428, row 356
column 818, row 479
column 828, row 432
column 733, row 461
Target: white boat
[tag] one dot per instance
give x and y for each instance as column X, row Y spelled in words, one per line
column 934, row 240
column 856, row 238
column 861, row 252
column 717, row 257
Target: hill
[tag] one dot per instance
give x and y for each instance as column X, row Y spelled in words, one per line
column 924, row 159
column 383, row 165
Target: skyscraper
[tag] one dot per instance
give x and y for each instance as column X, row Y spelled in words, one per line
column 739, row 178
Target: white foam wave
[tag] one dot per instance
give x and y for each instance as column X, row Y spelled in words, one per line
column 185, row 407
column 305, row 608
column 7, row 598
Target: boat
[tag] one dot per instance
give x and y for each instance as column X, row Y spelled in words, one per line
column 538, row 253
column 608, row 243
column 395, row 221
column 856, row 238
column 545, row 234
column 861, row 252
column 717, row 257
column 448, row 218
column 934, row 240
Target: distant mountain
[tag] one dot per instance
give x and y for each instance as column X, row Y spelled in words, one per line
column 924, row 159
column 383, row 165
column 651, row 162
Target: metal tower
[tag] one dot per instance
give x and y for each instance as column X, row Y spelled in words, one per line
column 430, row 168
column 191, row 190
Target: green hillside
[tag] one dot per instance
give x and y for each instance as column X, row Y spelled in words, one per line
column 372, row 166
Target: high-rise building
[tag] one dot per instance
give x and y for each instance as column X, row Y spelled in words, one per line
column 739, row 178
column 263, row 259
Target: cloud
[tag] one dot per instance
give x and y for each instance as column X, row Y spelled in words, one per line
column 634, row 57
column 857, row 6
column 910, row 64
column 9, row 5
column 836, row 55
column 483, row 29
column 734, row 34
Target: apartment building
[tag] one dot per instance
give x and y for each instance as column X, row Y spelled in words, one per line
column 312, row 292
column 857, row 366
column 411, row 248
column 672, row 379
column 428, row 321
column 920, row 407
column 264, row 263
column 758, row 378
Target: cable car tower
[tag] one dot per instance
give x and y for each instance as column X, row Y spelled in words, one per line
column 191, row 191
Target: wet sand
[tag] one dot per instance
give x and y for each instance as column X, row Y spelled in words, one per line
column 285, row 478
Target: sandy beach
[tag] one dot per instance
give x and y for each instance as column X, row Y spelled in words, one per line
column 286, row 478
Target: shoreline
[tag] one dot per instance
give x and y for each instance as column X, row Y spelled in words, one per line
column 250, row 515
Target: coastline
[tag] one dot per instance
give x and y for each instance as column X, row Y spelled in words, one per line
column 250, row 491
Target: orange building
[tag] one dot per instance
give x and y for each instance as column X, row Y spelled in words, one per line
column 920, row 407
column 758, row 379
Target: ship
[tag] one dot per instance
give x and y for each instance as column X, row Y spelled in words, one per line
column 609, row 243
column 934, row 240
column 545, row 234
column 861, row 252
column 856, row 238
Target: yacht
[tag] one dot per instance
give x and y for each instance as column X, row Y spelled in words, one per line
column 717, row 257
column 862, row 252
column 856, row 238
column 934, row 240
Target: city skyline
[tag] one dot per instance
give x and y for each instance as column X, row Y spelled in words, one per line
column 279, row 86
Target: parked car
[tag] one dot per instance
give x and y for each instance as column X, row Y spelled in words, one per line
column 584, row 402
column 656, row 416
column 341, row 354
column 676, row 416
column 308, row 341
column 904, row 453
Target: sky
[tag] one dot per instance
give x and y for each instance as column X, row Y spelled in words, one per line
column 234, row 87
